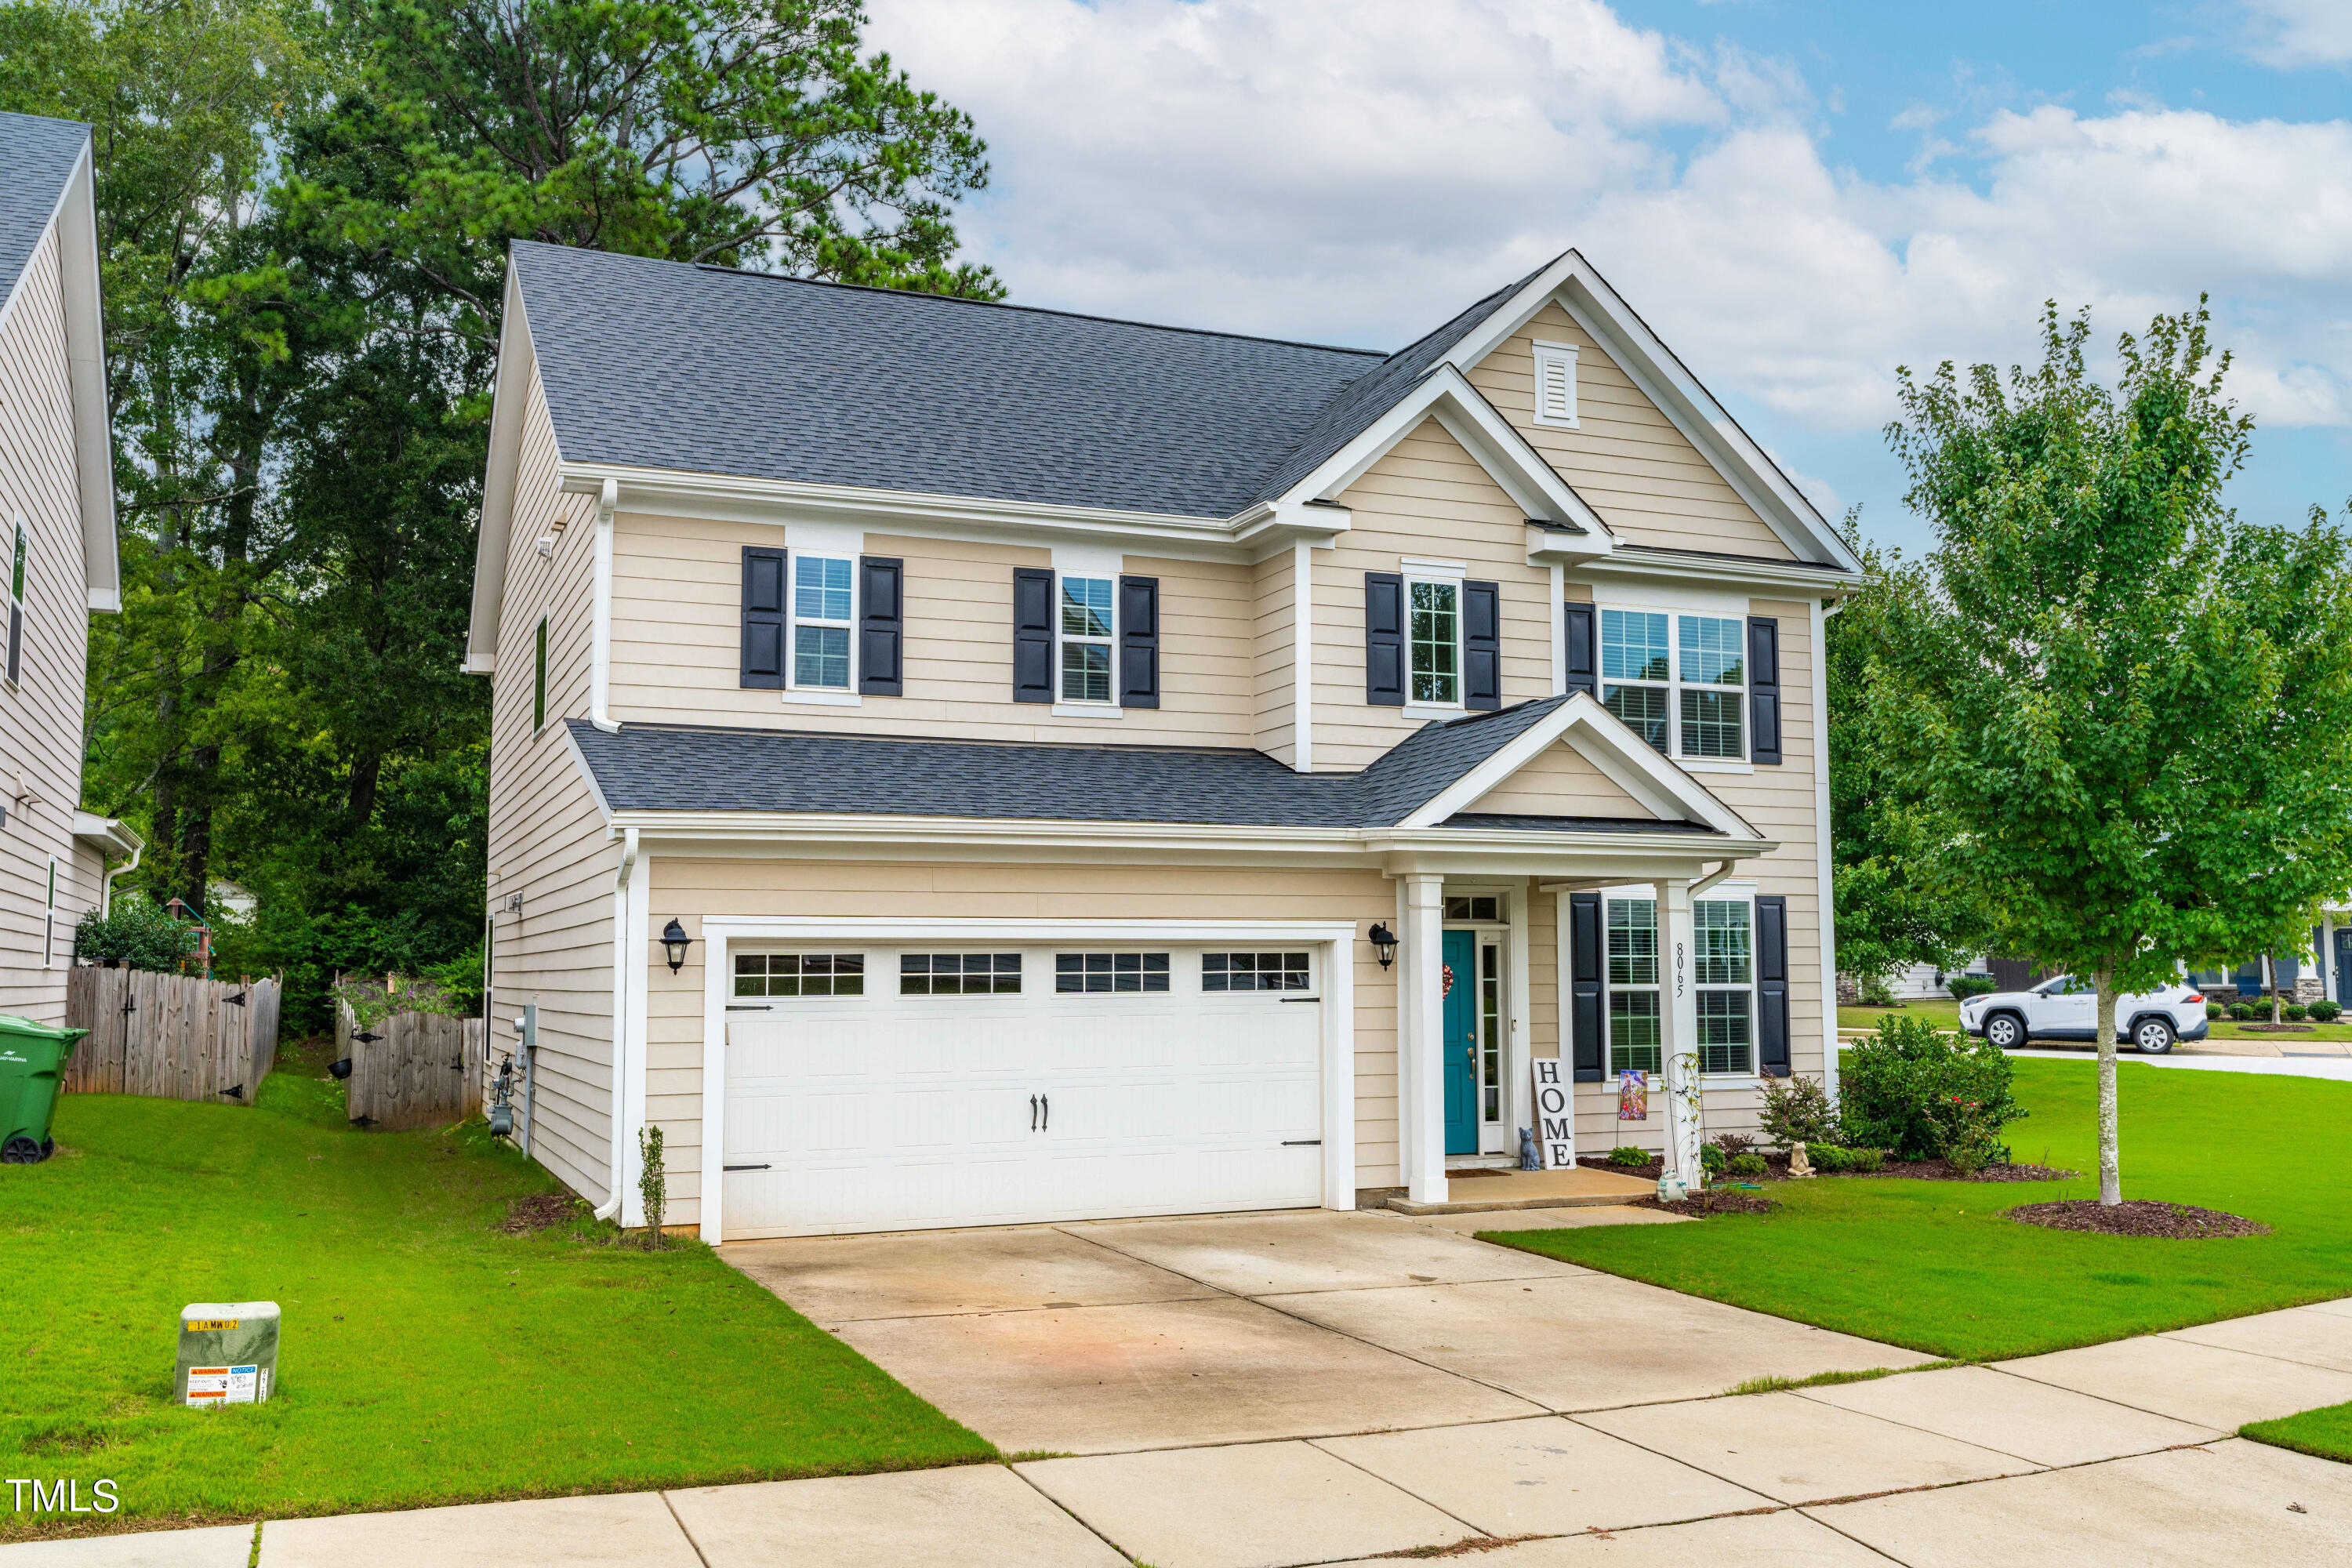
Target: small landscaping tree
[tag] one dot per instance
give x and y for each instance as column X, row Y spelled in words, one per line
column 2134, row 709
column 136, row 934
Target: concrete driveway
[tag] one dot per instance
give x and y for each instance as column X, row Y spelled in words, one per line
column 1153, row 1334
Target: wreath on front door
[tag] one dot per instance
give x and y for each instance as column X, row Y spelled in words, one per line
column 1448, row 989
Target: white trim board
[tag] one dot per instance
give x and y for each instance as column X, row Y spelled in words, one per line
column 1334, row 943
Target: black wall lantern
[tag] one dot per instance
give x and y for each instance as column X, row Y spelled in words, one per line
column 1384, row 943
column 675, row 941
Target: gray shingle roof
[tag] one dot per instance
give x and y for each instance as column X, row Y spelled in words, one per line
column 703, row 370
column 662, row 365
column 659, row 767
column 39, row 154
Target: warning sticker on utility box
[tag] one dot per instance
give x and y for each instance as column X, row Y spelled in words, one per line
column 200, row 1325
column 210, row 1385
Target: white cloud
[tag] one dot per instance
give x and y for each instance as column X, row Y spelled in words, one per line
column 2291, row 33
column 1355, row 173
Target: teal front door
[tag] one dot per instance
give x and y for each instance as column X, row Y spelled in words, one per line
column 1461, row 1047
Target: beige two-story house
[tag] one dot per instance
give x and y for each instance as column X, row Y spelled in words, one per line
column 957, row 763
column 57, row 557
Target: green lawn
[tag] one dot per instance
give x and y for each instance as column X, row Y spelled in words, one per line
column 428, row 1358
column 2327, row 1432
column 1936, row 1267
column 1945, row 1014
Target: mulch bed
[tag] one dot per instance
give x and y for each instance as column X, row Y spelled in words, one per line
column 1775, row 1169
column 2276, row 1028
column 2168, row 1221
column 544, row 1212
column 1713, row 1201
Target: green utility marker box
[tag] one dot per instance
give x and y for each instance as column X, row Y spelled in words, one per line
column 228, row 1353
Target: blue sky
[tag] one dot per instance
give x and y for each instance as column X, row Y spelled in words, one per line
column 1801, row 195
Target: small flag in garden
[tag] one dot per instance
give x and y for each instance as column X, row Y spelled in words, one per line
column 1632, row 1097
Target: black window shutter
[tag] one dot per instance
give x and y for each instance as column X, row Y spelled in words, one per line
column 1763, row 690
column 1384, row 638
column 1032, row 635
column 764, row 618
column 1583, row 650
column 1772, row 983
column 1482, row 645
column 1585, row 1018
column 881, row 626
column 1139, row 642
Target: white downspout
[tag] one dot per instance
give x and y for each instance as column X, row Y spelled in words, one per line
column 106, row 882
column 620, row 1018
column 600, row 613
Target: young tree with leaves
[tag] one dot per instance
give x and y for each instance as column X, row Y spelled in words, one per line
column 2134, row 709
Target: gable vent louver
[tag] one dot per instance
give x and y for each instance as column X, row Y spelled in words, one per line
column 1555, row 384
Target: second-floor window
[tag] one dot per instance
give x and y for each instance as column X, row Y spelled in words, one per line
column 1434, row 631
column 1680, row 682
column 1087, row 624
column 822, row 605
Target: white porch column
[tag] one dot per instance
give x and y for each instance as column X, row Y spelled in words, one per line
column 1421, row 1030
column 1678, row 1022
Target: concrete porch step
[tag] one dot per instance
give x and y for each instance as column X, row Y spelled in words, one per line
column 1479, row 1191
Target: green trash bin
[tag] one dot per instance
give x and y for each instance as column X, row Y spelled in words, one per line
column 32, row 1059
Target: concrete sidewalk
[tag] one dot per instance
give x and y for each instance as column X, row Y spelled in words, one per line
column 1547, row 1426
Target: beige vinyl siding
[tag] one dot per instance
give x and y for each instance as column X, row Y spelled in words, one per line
column 1625, row 458
column 1560, row 783
column 699, row 888
column 1427, row 499
column 547, row 839
column 41, row 718
column 1543, row 982
column 1780, row 803
column 1276, row 629
column 676, row 635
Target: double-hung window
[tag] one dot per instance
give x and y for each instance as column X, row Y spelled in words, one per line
column 1086, row 624
column 1678, row 681
column 1634, row 1040
column 1433, row 638
column 822, row 607
column 1724, row 975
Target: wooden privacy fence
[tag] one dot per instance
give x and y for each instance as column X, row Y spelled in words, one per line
column 411, row 1070
column 175, row 1037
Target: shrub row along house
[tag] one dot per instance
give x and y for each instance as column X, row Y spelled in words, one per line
column 1031, row 731
column 58, row 552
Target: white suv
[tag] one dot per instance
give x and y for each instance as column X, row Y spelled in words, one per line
column 2060, row 1009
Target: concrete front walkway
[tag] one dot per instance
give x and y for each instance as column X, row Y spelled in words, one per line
column 1276, row 1389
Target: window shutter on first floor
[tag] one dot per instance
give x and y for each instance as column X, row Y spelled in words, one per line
column 1583, row 663
column 1384, row 638
column 1139, row 642
column 1482, row 645
column 1584, row 1010
column 764, row 618
column 1772, row 985
column 1032, row 635
column 881, row 626
column 1763, row 690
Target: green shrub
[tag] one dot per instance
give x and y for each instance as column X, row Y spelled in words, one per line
column 1797, row 1110
column 1963, row 986
column 1626, row 1154
column 2324, row 1011
column 1825, row 1156
column 2295, row 1012
column 1746, row 1165
column 1898, row 1089
column 2213, row 1013
column 1711, row 1159
column 2243, row 1012
column 1864, row 1160
column 136, row 934
column 1872, row 991
column 1734, row 1144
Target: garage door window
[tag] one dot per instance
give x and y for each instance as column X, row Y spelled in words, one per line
column 1253, row 971
column 800, row 974
column 1085, row 972
column 959, row 974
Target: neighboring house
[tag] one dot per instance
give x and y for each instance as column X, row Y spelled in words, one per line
column 1030, row 721
column 57, row 557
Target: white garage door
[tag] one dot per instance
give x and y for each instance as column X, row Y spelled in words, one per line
column 899, row 1089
